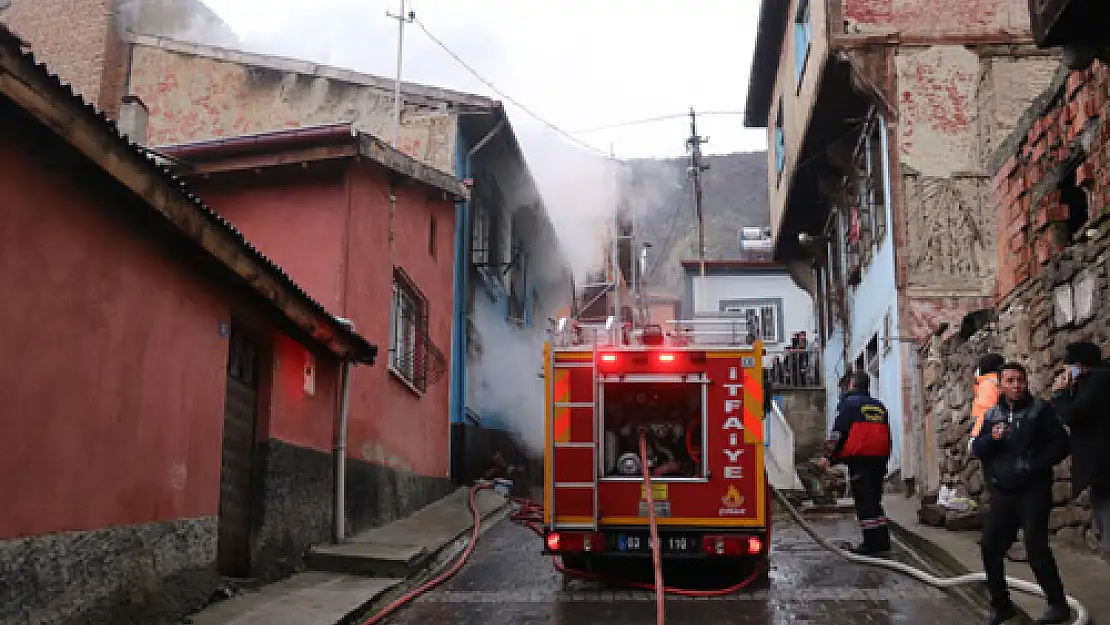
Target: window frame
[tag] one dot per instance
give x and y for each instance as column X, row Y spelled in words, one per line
column 408, row 333
column 780, row 142
column 739, row 307
column 803, row 39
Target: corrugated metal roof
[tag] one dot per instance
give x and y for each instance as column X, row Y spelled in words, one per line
column 11, row 40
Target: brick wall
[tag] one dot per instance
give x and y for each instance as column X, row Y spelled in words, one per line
column 1032, row 214
column 192, row 97
column 932, row 17
column 77, row 55
column 93, row 57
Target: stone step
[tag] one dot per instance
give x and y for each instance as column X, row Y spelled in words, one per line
column 369, row 559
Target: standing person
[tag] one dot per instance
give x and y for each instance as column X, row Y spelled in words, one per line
column 860, row 439
column 986, row 391
column 1082, row 399
column 1022, row 440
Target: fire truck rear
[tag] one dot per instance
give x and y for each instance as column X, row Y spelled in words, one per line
column 698, row 401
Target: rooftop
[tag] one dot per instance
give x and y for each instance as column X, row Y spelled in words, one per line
column 30, row 85
column 302, row 145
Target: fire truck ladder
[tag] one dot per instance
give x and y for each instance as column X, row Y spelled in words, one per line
column 576, row 462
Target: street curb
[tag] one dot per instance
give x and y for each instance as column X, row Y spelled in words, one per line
column 948, row 565
column 437, row 562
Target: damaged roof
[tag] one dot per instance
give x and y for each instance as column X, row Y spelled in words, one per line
column 305, row 144
column 770, row 33
column 33, row 87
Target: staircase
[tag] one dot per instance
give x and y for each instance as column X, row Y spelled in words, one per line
column 778, row 443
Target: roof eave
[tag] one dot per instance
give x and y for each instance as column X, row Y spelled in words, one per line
column 770, row 33
column 32, row 87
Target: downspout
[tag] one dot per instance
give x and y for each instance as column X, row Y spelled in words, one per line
column 339, row 516
column 462, row 272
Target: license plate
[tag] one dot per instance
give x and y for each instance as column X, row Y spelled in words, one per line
column 662, row 509
column 634, row 543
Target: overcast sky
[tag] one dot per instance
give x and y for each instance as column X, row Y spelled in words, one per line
column 576, row 63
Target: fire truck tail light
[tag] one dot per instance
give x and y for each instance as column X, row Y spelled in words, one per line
column 666, row 357
column 575, row 542
column 732, row 545
column 608, row 358
column 755, row 545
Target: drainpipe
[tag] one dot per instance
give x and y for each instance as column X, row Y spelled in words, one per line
column 340, row 514
column 462, row 270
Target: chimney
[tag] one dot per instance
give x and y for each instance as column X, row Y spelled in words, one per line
column 133, row 117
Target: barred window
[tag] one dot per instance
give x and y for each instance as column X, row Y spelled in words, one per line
column 408, row 340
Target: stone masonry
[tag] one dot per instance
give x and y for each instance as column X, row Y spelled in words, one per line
column 1053, row 278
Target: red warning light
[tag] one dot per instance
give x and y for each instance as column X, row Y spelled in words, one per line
column 608, row 358
column 666, row 357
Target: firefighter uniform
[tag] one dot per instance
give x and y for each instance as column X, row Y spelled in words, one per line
column 860, row 439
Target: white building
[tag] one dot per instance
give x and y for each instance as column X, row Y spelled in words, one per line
column 742, row 288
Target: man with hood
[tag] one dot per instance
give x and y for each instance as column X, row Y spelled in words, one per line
column 1022, row 440
column 1082, row 399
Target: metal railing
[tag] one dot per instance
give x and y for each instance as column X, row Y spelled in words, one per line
column 795, row 368
column 779, row 442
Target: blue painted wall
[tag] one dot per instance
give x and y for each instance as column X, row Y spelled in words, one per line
column 874, row 298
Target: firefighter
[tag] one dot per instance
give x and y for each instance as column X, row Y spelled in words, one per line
column 860, row 439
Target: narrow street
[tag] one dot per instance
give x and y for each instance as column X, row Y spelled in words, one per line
column 509, row 582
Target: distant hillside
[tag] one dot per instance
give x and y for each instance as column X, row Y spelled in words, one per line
column 734, row 195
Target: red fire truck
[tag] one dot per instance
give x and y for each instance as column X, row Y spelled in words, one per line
column 700, row 405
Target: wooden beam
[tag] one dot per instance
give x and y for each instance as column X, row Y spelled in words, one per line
column 256, row 161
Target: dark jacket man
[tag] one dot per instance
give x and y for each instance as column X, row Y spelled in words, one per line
column 1021, row 441
column 1082, row 399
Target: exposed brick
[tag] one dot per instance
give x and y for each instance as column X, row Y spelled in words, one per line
column 1084, row 174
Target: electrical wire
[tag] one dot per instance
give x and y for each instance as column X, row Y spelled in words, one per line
column 473, row 72
column 650, row 120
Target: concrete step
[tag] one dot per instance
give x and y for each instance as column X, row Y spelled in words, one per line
column 404, row 547
column 368, row 559
column 310, row 598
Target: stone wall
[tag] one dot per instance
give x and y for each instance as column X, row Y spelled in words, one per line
column 133, row 575
column 1066, row 301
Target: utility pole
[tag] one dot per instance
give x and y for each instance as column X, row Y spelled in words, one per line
column 693, row 144
column 616, row 243
column 402, row 19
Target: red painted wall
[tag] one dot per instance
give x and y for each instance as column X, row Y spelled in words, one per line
column 114, row 371
column 296, row 218
column 298, row 221
column 295, row 415
column 329, row 229
column 389, row 423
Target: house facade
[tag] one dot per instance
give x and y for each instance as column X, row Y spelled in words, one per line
column 368, row 232
column 880, row 125
column 509, row 269
column 170, row 414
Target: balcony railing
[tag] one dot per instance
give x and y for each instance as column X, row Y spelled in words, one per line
column 795, row 368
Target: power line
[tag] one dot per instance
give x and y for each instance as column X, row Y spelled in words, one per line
column 508, row 98
column 650, row 120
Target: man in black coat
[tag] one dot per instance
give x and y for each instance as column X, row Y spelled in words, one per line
column 1021, row 441
column 1082, row 399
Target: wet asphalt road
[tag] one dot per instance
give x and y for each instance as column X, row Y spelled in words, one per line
column 509, row 582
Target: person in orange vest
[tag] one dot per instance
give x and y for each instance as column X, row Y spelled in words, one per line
column 986, row 392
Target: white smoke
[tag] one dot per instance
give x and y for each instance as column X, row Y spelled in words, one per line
column 507, row 383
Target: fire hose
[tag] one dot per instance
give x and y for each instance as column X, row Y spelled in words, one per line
column 530, row 514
